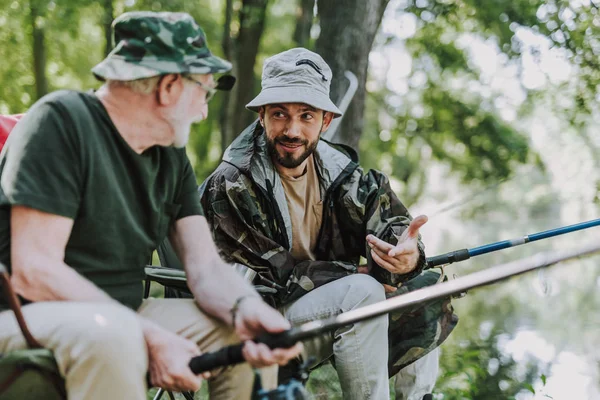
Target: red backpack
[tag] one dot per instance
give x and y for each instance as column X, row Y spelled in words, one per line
column 7, row 122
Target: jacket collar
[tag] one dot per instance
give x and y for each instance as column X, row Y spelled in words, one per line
column 248, row 153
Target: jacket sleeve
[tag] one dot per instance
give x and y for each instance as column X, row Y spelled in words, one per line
column 245, row 232
column 386, row 218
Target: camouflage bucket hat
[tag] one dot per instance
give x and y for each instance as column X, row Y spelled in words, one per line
column 296, row 76
column 150, row 44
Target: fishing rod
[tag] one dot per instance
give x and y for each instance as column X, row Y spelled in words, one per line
column 465, row 254
column 233, row 354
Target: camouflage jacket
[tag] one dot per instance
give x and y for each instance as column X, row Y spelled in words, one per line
column 245, row 205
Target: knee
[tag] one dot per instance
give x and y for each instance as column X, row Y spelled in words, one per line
column 362, row 290
column 110, row 334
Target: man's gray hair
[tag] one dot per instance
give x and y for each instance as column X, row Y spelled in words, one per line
column 141, row 86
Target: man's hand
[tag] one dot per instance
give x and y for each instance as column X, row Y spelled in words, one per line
column 403, row 257
column 168, row 358
column 254, row 317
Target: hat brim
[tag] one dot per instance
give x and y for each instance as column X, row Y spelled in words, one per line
column 117, row 68
column 294, row 94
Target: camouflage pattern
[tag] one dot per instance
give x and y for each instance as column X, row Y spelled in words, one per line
column 415, row 332
column 150, row 44
column 245, row 205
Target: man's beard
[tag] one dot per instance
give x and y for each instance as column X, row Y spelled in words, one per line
column 182, row 130
column 182, row 134
column 288, row 160
column 180, row 121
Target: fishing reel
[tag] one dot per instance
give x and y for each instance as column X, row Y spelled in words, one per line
column 293, row 389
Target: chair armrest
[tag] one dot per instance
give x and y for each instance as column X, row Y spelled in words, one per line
column 176, row 278
column 168, row 277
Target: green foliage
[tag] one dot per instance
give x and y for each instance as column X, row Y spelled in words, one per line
column 480, row 369
column 448, row 112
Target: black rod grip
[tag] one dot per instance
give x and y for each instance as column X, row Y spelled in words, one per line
column 233, row 354
column 226, row 356
column 448, row 258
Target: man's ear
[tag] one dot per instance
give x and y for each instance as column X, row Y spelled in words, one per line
column 169, row 89
column 261, row 116
column 327, row 118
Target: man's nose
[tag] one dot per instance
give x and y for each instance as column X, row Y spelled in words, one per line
column 293, row 129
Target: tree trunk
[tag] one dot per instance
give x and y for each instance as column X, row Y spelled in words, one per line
column 347, row 32
column 304, row 21
column 226, row 45
column 39, row 49
column 107, row 19
column 244, row 51
column 226, row 42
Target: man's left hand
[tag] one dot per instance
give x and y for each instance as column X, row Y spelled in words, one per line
column 403, row 257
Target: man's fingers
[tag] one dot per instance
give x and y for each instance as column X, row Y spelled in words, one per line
column 381, row 262
column 389, row 288
column 183, row 380
column 362, row 269
column 267, row 318
column 259, row 355
column 250, row 353
column 415, row 225
column 375, row 242
column 283, row 356
column 403, row 248
column 206, row 375
column 190, row 381
column 382, row 254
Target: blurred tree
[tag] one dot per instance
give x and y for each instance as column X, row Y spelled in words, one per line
column 348, row 29
column 304, row 22
column 243, row 52
column 107, row 18
column 37, row 19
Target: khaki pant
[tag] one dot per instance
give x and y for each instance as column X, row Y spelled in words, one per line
column 101, row 352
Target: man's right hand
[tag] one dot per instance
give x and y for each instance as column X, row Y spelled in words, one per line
column 255, row 317
column 168, row 358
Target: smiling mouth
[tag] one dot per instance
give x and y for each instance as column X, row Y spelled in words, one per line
column 290, row 146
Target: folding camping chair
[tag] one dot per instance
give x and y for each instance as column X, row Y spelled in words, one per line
column 31, row 373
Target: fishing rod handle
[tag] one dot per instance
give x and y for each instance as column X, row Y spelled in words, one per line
column 448, row 258
column 233, row 354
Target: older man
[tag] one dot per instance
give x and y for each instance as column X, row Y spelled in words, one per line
column 301, row 212
column 90, row 183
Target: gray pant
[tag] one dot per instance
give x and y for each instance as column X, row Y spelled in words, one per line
column 417, row 379
column 360, row 351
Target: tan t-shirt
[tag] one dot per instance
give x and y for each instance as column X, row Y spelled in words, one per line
column 306, row 210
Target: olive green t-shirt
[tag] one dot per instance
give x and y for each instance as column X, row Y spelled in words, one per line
column 66, row 157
